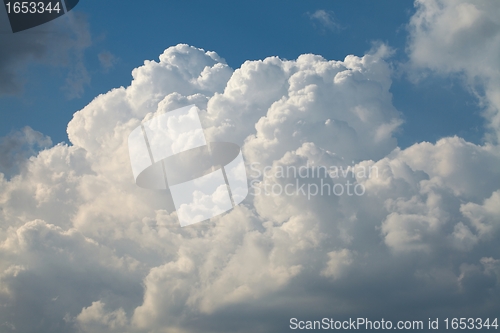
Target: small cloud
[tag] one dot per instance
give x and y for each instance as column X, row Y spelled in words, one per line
column 107, row 60
column 77, row 79
column 326, row 19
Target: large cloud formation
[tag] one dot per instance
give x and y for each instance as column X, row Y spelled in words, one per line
column 85, row 250
column 60, row 43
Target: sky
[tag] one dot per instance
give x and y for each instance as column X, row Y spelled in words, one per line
column 403, row 94
column 125, row 35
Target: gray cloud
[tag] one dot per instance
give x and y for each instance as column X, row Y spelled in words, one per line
column 106, row 59
column 61, row 42
column 17, row 147
column 460, row 38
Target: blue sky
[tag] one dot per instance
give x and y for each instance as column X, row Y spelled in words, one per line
column 135, row 31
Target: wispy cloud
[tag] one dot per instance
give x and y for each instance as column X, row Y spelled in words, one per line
column 59, row 43
column 326, row 19
column 107, row 60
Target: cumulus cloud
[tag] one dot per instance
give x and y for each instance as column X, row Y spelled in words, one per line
column 95, row 319
column 86, row 250
column 461, row 38
column 338, row 262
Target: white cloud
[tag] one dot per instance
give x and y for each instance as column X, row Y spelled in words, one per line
column 17, row 147
column 106, row 255
column 485, row 218
column 461, row 37
column 96, row 319
column 338, row 261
